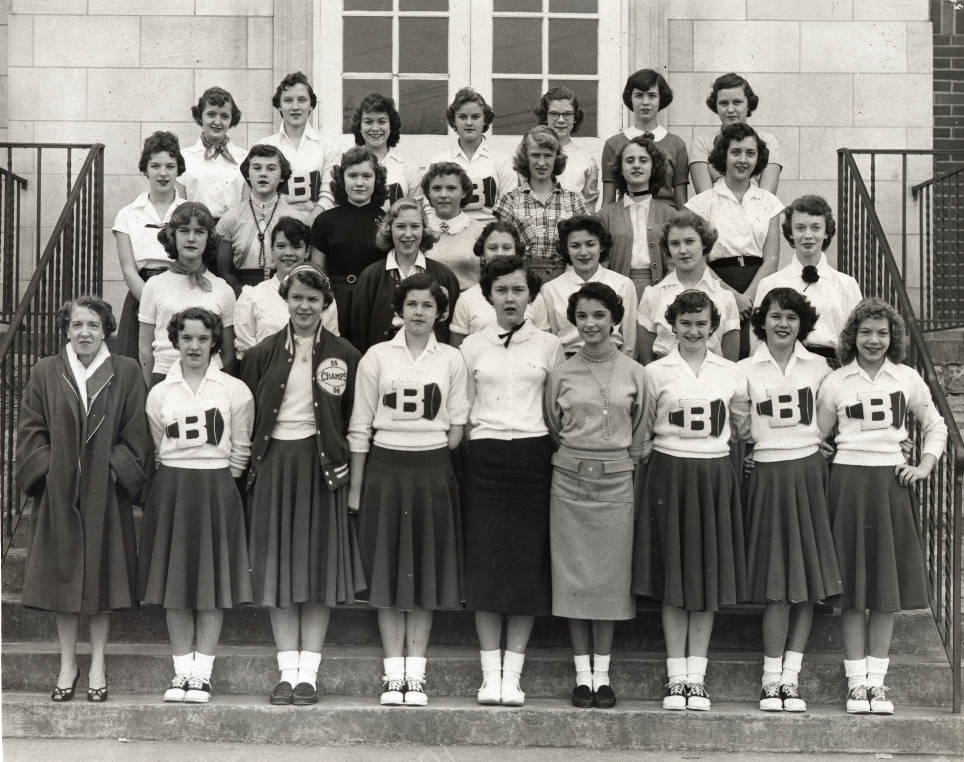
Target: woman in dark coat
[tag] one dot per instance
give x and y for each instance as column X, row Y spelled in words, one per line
column 82, row 556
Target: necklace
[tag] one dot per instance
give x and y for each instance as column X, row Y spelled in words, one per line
column 261, row 233
column 610, row 360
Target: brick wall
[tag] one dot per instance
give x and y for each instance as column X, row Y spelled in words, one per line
column 948, row 77
column 113, row 71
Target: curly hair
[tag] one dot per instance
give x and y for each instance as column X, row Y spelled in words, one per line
column 727, row 82
column 440, row 168
column 210, row 320
column 181, row 217
column 733, row 133
column 351, row 157
column 691, row 301
column 216, row 96
column 160, row 142
column 785, row 299
column 601, row 293
column 468, row 95
column 418, row 282
column 263, row 150
column 688, row 219
column 383, row 236
column 560, row 93
column 294, row 230
column 507, row 264
column 498, row 226
column 592, row 225
column 376, row 103
column 869, row 309
column 643, row 80
column 810, row 204
column 310, row 275
column 657, row 175
column 290, row 80
column 545, row 137
column 103, row 310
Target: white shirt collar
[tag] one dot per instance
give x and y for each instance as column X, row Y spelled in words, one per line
column 853, row 369
column 763, row 355
column 80, row 373
column 721, row 189
column 143, row 202
column 494, row 332
column 176, row 375
column 659, row 132
column 673, row 357
column 456, row 225
column 628, row 202
column 482, row 150
column 398, row 340
column 310, row 133
column 574, row 278
column 391, row 262
column 671, row 279
column 823, row 266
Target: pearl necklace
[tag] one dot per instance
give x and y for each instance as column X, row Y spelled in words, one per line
column 610, row 360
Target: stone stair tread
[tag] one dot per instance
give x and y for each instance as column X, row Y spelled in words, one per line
column 551, row 722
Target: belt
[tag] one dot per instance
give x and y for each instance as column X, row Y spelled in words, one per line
column 349, row 279
column 588, row 467
column 737, row 262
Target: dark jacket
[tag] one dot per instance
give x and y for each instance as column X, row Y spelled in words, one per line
column 83, row 469
column 372, row 313
column 265, row 370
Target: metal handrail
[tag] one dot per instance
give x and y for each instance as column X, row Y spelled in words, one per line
column 21, row 181
column 955, row 444
column 915, row 189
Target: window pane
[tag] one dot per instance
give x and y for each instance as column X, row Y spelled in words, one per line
column 354, row 90
column 572, row 6
column 514, row 101
column 572, row 46
column 422, row 104
column 423, row 5
column 501, row 6
column 517, row 45
column 587, row 92
column 368, row 5
column 423, row 45
column 367, row 44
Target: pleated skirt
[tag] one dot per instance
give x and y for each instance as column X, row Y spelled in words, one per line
column 302, row 545
column 506, row 518
column 193, row 551
column 591, row 518
column 409, row 530
column 689, row 550
column 878, row 544
column 790, row 551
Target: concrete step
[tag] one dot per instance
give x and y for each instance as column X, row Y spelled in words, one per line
column 737, row 628
column 11, row 576
column 454, row 671
column 635, row 725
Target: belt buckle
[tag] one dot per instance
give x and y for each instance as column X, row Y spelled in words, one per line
column 742, row 263
column 350, row 279
column 590, row 468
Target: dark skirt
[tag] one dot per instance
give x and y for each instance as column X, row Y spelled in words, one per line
column 790, row 553
column 128, row 327
column 738, row 278
column 689, row 549
column 343, row 291
column 506, row 515
column 878, row 545
column 193, row 551
column 409, row 529
column 302, row 546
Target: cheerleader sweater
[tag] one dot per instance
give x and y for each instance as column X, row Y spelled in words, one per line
column 782, row 405
column 871, row 414
column 409, row 402
column 207, row 429
column 691, row 415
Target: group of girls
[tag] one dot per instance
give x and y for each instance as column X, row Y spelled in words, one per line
column 501, row 446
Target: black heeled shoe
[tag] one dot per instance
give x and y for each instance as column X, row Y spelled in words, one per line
column 98, row 695
column 65, row 694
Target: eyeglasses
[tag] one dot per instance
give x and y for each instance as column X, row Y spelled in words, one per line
column 555, row 116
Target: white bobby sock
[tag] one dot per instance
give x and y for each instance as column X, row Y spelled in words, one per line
column 876, row 671
column 415, row 666
column 792, row 662
column 394, row 668
column 583, row 670
column 856, row 671
column 696, row 669
column 512, row 664
column 288, row 666
column 771, row 669
column 203, row 664
column 676, row 670
column 600, row 670
column 184, row 665
column 308, row 663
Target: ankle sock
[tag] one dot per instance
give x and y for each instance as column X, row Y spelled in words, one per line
column 856, row 672
column 696, row 669
column 676, row 670
column 512, row 664
column 415, row 667
column 771, row 669
column 308, row 663
column 491, row 661
column 203, row 664
column 394, row 668
column 792, row 662
column 583, row 670
column 600, row 670
column 184, row 665
column 876, row 670
column 288, row 666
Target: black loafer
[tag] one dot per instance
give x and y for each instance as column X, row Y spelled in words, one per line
column 282, row 693
column 582, row 696
column 605, row 698
column 305, row 694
